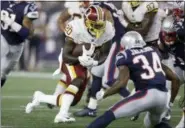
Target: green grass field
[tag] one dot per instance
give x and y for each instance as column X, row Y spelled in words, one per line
column 18, row 92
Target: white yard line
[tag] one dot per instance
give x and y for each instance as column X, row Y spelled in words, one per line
column 36, row 75
column 44, row 108
column 6, row 126
column 83, row 97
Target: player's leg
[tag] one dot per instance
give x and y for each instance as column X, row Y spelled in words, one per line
column 4, row 52
column 60, row 89
column 50, row 100
column 139, row 102
column 154, row 121
column 40, row 97
column 78, row 76
column 90, row 109
column 9, row 60
column 170, row 63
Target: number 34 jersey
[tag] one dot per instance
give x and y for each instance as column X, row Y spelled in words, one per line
column 19, row 10
column 145, row 67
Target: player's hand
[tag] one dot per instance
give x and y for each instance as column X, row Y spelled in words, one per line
column 88, row 52
column 87, row 61
column 100, row 94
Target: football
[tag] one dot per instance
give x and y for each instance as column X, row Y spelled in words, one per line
column 77, row 50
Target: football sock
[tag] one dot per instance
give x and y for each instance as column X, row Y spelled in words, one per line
column 3, row 82
column 103, row 121
column 96, row 85
column 50, row 99
column 92, row 103
column 124, row 92
column 67, row 99
column 60, row 88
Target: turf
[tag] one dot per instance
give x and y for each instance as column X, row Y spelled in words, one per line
column 18, row 92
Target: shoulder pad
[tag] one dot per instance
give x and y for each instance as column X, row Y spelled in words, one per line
column 31, row 11
column 123, row 58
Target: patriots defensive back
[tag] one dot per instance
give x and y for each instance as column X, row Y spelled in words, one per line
column 143, row 66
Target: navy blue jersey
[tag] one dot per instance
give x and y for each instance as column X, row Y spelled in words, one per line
column 177, row 49
column 145, row 67
column 119, row 28
column 20, row 10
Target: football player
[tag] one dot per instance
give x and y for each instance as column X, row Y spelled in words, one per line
column 143, row 66
column 143, row 17
column 94, row 30
column 73, row 10
column 171, row 45
column 105, row 74
column 16, row 26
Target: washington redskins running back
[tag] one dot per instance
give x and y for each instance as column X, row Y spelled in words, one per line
column 93, row 29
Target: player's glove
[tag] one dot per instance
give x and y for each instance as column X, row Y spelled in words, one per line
column 100, row 94
column 87, row 61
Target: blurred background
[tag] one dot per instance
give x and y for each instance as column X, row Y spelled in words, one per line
column 42, row 50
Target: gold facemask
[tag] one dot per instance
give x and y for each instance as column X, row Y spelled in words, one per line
column 95, row 28
column 134, row 3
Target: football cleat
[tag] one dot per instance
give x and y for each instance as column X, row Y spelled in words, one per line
column 35, row 102
column 134, row 118
column 64, row 119
column 86, row 112
column 167, row 116
column 50, row 106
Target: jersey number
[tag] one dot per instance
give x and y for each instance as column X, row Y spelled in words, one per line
column 156, row 67
column 4, row 13
column 68, row 29
column 150, row 7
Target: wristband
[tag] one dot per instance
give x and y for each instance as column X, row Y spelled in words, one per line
column 22, row 31
column 95, row 63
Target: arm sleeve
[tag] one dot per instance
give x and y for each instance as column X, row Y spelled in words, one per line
column 123, row 58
